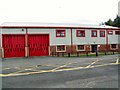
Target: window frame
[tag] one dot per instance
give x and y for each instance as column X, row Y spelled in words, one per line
column 113, row 48
column 60, row 33
column 92, row 34
column 117, row 33
column 80, row 32
column 101, row 34
column 60, row 50
column 79, row 49
column 110, row 33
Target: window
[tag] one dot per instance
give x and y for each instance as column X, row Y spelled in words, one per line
column 110, row 32
column 94, row 33
column 102, row 33
column 80, row 47
column 113, row 46
column 60, row 48
column 117, row 32
column 60, row 33
column 80, row 33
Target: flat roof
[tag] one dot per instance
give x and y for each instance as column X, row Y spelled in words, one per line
column 54, row 25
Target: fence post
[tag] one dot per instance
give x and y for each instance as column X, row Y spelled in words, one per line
column 105, row 53
column 77, row 54
column 52, row 53
column 63, row 54
column 86, row 53
column 68, row 54
column 96, row 53
column 58, row 54
column 113, row 53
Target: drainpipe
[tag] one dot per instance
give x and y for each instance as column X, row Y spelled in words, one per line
column 71, row 41
column 106, row 40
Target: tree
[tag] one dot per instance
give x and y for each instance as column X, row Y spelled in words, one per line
column 109, row 22
column 115, row 22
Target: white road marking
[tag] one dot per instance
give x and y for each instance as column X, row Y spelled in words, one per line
column 57, row 69
column 85, row 67
column 45, row 71
column 92, row 64
column 18, row 74
column 89, row 84
column 117, row 61
column 60, row 66
column 28, row 69
column 4, row 68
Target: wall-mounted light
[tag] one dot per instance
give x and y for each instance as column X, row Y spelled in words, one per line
column 22, row 29
column 98, row 45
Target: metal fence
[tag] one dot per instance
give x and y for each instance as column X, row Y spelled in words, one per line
column 85, row 53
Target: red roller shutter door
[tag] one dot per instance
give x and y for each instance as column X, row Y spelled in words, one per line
column 14, row 45
column 38, row 45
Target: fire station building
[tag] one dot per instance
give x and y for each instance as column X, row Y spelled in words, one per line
column 35, row 39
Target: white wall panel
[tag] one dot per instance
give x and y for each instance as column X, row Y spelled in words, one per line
column 13, row 31
column 88, row 39
column 113, row 39
column 52, row 32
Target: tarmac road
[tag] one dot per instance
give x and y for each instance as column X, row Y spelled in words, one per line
column 60, row 72
column 100, row 77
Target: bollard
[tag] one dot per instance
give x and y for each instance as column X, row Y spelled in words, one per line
column 77, row 54
column 105, row 53
column 58, row 54
column 68, row 54
column 63, row 54
column 86, row 53
column 113, row 53
column 96, row 53
column 52, row 53
column 55, row 53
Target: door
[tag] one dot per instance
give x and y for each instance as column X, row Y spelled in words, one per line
column 94, row 48
column 38, row 44
column 14, row 45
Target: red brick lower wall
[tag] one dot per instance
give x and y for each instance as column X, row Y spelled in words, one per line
column 0, row 52
column 87, row 48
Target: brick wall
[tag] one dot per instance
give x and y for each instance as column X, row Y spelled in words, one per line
column 0, row 52
column 87, row 48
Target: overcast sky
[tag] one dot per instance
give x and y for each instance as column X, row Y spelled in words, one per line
column 58, row 11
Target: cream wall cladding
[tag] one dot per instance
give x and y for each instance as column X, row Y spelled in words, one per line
column 13, row 31
column 113, row 39
column 88, row 39
column 52, row 32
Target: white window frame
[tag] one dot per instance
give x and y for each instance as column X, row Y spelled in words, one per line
column 62, row 50
column 78, row 49
column 113, row 48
